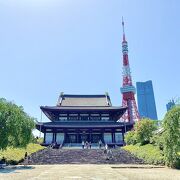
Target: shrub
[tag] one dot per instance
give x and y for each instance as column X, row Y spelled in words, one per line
column 16, row 155
column 149, row 153
column 158, row 140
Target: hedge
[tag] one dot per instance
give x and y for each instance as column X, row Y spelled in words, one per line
column 149, row 153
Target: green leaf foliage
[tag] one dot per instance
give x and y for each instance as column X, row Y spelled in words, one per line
column 15, row 125
column 172, row 137
column 158, row 140
column 142, row 133
column 144, row 130
column 130, row 138
column 149, row 153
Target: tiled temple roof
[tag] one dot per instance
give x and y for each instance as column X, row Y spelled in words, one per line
column 82, row 103
column 84, row 100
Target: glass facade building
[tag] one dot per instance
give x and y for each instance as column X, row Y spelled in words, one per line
column 146, row 100
column 170, row 105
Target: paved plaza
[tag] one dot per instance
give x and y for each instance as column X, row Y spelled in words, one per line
column 89, row 172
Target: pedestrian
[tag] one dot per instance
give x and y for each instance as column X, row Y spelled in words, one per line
column 106, row 149
column 87, row 144
column 3, row 160
column 26, row 159
column 90, row 145
column 106, row 152
column 25, row 155
column 82, row 144
column 100, row 144
column 55, row 145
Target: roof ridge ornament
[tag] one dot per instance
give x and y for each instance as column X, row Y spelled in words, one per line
column 106, row 94
column 108, row 101
column 60, row 99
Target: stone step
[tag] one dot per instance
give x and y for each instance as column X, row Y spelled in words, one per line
column 82, row 156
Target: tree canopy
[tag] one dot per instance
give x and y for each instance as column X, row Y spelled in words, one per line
column 15, row 125
column 144, row 130
column 172, row 137
column 130, row 138
column 142, row 133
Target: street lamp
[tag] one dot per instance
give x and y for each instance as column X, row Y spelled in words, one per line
column 124, row 126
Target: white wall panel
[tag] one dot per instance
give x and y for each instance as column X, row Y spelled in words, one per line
column 107, row 138
column 59, row 138
column 118, row 137
column 49, row 138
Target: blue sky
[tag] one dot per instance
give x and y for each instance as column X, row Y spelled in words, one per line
column 74, row 46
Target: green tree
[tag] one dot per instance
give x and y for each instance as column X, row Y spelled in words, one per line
column 15, row 125
column 172, row 137
column 144, row 130
column 130, row 138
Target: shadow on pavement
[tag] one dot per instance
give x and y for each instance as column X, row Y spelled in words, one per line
column 12, row 169
column 139, row 167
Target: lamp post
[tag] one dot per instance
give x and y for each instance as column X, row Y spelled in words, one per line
column 40, row 125
column 124, row 126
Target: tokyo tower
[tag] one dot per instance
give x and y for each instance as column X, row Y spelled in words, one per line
column 128, row 90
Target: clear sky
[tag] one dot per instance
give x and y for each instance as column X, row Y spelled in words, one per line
column 74, row 46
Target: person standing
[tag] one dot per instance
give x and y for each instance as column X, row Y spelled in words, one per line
column 90, row 145
column 26, row 159
column 25, row 155
column 100, row 144
column 3, row 160
column 87, row 144
column 106, row 147
column 82, row 144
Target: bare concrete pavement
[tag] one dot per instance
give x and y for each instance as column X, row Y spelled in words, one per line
column 91, row 172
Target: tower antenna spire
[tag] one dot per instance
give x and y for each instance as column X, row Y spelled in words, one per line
column 124, row 38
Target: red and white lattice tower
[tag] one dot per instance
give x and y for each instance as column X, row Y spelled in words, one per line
column 128, row 90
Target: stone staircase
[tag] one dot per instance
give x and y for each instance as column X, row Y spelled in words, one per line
column 82, row 156
column 79, row 146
